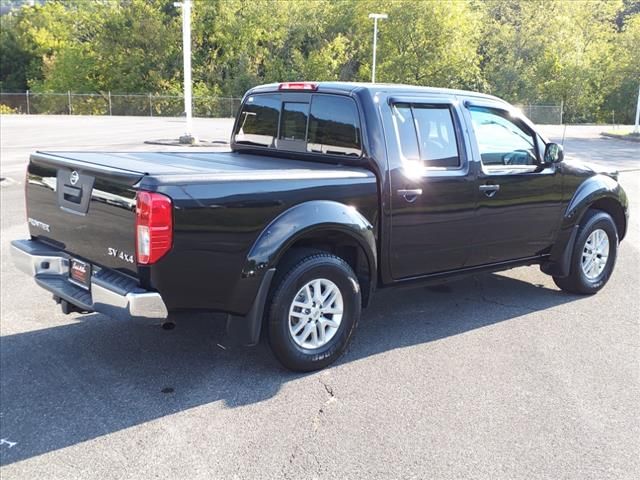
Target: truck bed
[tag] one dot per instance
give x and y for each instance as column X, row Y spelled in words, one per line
column 94, row 219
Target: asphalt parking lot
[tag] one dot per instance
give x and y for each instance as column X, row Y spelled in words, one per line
column 494, row 376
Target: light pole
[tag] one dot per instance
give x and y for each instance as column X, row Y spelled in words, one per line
column 636, row 128
column 375, row 17
column 186, row 58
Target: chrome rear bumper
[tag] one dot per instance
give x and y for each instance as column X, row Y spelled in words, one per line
column 111, row 293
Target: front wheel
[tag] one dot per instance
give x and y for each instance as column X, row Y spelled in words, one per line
column 594, row 255
column 314, row 311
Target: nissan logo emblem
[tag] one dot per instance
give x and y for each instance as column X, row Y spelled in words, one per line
column 74, row 177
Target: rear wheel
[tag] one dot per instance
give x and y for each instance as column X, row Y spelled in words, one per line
column 594, row 255
column 314, row 310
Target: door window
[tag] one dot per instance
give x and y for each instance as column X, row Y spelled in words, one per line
column 426, row 134
column 501, row 139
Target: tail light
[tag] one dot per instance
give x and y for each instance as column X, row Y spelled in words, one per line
column 154, row 226
column 26, row 185
column 309, row 86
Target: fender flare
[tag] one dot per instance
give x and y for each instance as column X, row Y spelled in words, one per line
column 302, row 219
column 590, row 191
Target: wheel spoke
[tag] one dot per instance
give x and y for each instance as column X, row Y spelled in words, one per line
column 331, row 298
column 308, row 328
column 332, row 311
column 328, row 291
column 320, row 327
column 595, row 266
column 589, row 263
column 300, row 315
column 297, row 328
column 314, row 334
column 330, row 322
column 298, row 304
column 603, row 245
column 307, row 292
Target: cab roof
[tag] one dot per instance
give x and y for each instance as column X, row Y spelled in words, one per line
column 373, row 88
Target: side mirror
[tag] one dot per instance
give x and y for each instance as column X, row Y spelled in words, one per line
column 553, row 153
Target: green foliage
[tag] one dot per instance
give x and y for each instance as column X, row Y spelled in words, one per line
column 6, row 109
column 624, row 75
column 551, row 52
column 426, row 43
column 584, row 53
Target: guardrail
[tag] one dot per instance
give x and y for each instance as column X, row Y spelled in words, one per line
column 127, row 104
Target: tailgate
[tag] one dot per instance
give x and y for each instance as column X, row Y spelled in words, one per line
column 87, row 209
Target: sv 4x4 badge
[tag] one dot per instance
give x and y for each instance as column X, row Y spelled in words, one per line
column 114, row 252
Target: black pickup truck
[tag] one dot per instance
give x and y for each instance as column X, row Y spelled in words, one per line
column 329, row 191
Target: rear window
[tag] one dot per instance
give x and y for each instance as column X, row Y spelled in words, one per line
column 294, row 121
column 258, row 124
column 327, row 125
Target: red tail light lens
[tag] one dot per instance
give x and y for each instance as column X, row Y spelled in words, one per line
column 154, row 227
column 26, row 185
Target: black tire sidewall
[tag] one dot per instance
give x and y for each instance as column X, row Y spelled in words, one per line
column 317, row 266
column 598, row 220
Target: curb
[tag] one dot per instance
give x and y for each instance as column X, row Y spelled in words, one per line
column 629, row 137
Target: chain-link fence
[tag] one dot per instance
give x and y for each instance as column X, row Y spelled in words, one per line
column 31, row 103
column 543, row 114
column 141, row 104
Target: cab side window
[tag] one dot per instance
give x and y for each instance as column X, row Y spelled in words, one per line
column 426, row 134
column 333, row 126
column 501, row 139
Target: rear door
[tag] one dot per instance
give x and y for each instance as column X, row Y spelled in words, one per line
column 86, row 209
column 519, row 198
column 433, row 191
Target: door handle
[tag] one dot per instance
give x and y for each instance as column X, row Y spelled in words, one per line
column 489, row 190
column 411, row 194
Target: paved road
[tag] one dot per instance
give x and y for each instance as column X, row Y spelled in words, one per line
column 494, row 376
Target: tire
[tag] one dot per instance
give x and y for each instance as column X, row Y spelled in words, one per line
column 578, row 281
column 291, row 327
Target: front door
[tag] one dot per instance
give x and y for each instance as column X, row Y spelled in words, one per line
column 433, row 190
column 519, row 201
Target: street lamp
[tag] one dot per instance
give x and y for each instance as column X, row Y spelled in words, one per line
column 636, row 127
column 375, row 16
column 186, row 58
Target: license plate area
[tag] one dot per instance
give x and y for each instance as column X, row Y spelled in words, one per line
column 80, row 273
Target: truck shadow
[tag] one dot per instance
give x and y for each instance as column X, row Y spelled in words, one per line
column 68, row 384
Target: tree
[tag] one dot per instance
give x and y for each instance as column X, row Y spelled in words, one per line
column 425, row 43
column 544, row 51
column 581, row 52
column 624, row 74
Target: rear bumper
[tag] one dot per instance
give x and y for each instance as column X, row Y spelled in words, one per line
column 111, row 293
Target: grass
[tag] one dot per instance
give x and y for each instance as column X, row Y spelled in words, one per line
column 623, row 134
